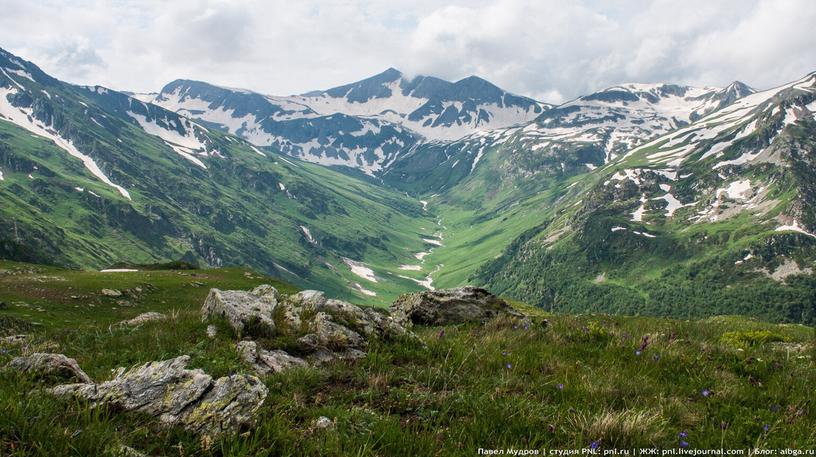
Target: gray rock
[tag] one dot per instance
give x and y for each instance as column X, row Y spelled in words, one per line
column 323, row 423
column 14, row 340
column 178, row 396
column 247, row 312
column 212, row 331
column 143, row 318
column 111, row 293
column 450, row 306
column 47, row 365
column 265, row 362
column 335, row 336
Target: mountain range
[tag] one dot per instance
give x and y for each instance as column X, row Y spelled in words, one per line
column 639, row 198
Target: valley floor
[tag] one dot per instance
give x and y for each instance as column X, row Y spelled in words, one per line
column 563, row 383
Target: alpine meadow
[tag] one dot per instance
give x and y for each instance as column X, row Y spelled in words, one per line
column 408, row 264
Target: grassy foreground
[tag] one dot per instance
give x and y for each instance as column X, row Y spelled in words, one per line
column 619, row 382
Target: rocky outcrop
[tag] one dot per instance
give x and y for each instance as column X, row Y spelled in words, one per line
column 178, row 396
column 248, row 313
column 450, row 306
column 323, row 329
column 50, row 366
column 265, row 362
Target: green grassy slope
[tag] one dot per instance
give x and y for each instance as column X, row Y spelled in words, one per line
column 243, row 209
column 473, row 386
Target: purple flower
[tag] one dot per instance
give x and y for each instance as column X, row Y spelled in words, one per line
column 705, row 393
column 551, row 428
column 509, row 366
column 637, row 353
column 683, row 434
column 723, row 425
column 684, row 444
column 766, row 427
column 442, row 333
column 504, row 353
column 595, row 444
column 560, row 386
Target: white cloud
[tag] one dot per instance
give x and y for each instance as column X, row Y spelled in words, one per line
column 549, row 49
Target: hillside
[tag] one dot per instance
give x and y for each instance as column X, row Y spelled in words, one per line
column 90, row 177
column 574, row 381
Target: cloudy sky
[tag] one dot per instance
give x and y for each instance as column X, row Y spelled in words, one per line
column 552, row 50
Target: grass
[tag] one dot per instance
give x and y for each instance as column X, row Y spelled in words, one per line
column 471, row 387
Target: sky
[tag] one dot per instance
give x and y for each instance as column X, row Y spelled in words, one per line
column 546, row 49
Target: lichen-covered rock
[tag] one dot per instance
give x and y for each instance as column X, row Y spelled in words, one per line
column 450, row 306
column 247, row 312
column 111, row 293
column 144, row 318
column 323, row 329
column 178, row 396
column 265, row 362
column 47, row 365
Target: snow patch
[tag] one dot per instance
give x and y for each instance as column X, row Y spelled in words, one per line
column 360, row 269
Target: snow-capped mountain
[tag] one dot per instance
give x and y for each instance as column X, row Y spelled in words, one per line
column 363, row 125
column 574, row 137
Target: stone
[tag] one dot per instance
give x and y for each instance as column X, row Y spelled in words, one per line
column 247, row 312
column 14, row 340
column 450, row 306
column 178, row 396
column 323, row 423
column 144, row 318
column 48, row 365
column 265, row 362
column 111, row 293
column 212, row 331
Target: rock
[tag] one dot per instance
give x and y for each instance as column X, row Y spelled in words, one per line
column 178, row 396
column 111, row 293
column 323, row 355
column 212, row 331
column 247, row 312
column 450, row 306
column 334, row 336
column 47, row 365
column 323, row 423
column 14, row 340
column 143, row 318
column 265, row 362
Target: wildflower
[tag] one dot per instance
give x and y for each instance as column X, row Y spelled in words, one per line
column 705, row 393
column 595, row 444
column 442, row 333
column 684, row 444
column 504, row 353
column 509, row 366
column 723, row 425
column 766, row 427
column 638, row 353
column 657, row 357
column 551, row 428
column 560, row 386
column 683, row 434
column 644, row 342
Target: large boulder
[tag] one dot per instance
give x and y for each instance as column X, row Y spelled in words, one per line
column 450, row 306
column 247, row 312
column 178, row 396
column 46, row 365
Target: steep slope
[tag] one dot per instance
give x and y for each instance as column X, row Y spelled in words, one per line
column 364, row 125
column 90, row 177
column 714, row 217
column 571, row 138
